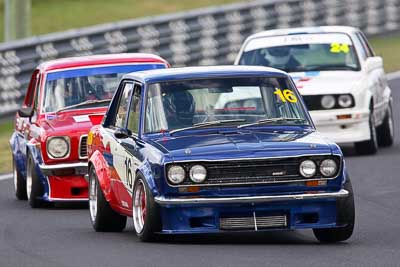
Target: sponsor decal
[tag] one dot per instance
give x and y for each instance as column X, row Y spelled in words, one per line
column 81, row 118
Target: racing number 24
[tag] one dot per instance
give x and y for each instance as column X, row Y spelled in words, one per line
column 128, row 172
column 286, row 95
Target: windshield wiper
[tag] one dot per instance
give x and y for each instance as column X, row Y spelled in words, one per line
column 205, row 124
column 271, row 120
column 88, row 102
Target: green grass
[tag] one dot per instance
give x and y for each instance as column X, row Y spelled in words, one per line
column 5, row 152
column 388, row 48
column 59, row 15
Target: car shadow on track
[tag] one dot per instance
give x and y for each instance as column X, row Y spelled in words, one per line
column 260, row 238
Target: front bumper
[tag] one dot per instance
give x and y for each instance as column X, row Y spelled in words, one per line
column 342, row 126
column 65, row 169
column 271, row 212
column 252, row 199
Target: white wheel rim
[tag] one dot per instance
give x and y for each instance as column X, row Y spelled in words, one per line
column 29, row 180
column 390, row 122
column 93, row 198
column 373, row 131
column 139, row 207
column 15, row 176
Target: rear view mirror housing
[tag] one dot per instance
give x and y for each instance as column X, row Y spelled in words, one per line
column 373, row 63
column 25, row 112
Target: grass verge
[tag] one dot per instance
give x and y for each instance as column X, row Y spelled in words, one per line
column 59, row 15
column 387, row 47
column 6, row 129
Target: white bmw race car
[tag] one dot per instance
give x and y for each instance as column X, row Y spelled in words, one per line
column 341, row 80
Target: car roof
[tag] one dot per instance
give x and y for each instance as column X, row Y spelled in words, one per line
column 171, row 74
column 299, row 30
column 109, row 59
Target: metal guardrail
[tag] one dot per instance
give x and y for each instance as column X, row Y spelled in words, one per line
column 200, row 37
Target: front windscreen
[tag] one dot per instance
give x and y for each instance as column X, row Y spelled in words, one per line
column 302, row 52
column 86, row 86
column 230, row 101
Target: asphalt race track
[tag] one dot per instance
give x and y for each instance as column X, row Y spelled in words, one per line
column 63, row 236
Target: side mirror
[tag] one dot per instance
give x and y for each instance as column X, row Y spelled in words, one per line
column 373, row 63
column 25, row 112
column 122, row 133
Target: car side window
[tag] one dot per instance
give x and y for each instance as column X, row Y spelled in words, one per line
column 134, row 110
column 28, row 101
column 37, row 92
column 122, row 112
column 366, row 47
column 369, row 48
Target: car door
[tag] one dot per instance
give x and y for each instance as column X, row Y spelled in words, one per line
column 114, row 151
column 23, row 124
column 377, row 80
column 130, row 152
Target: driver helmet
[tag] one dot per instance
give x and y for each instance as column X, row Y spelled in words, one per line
column 278, row 55
column 179, row 107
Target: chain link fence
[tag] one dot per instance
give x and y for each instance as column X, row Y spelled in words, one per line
column 207, row 36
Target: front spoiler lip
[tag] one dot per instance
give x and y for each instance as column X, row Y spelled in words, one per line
column 64, row 169
column 252, row 199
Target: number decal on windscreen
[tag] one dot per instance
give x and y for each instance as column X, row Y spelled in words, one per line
column 286, row 95
column 339, row 48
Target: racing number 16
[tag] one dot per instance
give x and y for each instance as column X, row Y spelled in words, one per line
column 286, row 95
column 128, row 172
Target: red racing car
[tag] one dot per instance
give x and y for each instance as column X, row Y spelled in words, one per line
column 65, row 98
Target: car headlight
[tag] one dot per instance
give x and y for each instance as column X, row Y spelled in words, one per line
column 58, row 147
column 328, row 167
column 198, row 173
column 308, row 168
column 176, row 174
column 328, row 101
column 345, row 101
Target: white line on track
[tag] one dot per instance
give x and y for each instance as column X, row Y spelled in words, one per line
column 393, row 75
column 390, row 76
column 6, row 176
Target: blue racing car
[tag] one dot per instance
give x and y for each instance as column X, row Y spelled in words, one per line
column 215, row 149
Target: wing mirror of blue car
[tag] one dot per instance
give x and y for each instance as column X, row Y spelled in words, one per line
column 122, row 133
column 25, row 112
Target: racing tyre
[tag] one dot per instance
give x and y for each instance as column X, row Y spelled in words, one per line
column 146, row 214
column 34, row 187
column 370, row 146
column 386, row 130
column 102, row 216
column 19, row 183
column 345, row 215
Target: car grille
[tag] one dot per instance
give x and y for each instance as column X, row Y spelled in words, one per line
column 83, row 147
column 253, row 223
column 256, row 171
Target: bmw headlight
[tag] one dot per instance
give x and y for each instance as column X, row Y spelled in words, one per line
column 58, row 147
column 176, row 174
column 198, row 173
column 345, row 101
column 328, row 168
column 328, row 101
column 307, row 168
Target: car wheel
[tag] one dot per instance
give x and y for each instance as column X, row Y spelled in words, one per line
column 370, row 146
column 386, row 130
column 34, row 187
column 19, row 183
column 146, row 216
column 102, row 216
column 345, row 215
